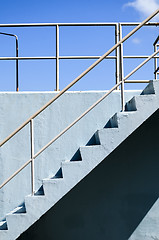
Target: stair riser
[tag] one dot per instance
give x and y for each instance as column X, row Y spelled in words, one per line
column 55, row 191
column 92, row 156
column 31, row 204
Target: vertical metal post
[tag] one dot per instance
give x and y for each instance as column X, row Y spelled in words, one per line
column 57, row 57
column 121, row 69
column 155, row 62
column 17, row 82
column 117, row 54
column 32, row 157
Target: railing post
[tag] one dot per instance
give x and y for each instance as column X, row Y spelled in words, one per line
column 121, row 69
column 16, row 39
column 32, row 157
column 17, row 81
column 117, row 54
column 57, row 57
column 155, row 62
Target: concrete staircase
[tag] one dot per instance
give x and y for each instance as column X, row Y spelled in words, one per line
column 119, row 127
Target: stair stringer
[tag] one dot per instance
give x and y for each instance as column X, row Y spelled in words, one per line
column 139, row 108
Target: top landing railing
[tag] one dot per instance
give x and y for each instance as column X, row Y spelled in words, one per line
column 118, row 56
column 121, row 81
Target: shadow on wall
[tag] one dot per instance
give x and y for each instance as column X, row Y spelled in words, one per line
column 112, row 200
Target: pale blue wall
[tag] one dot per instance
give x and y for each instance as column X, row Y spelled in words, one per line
column 17, row 107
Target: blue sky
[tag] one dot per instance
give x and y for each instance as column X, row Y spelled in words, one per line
column 40, row 75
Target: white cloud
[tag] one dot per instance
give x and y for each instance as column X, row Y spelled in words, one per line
column 144, row 7
column 136, row 40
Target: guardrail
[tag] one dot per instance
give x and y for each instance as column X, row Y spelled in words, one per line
column 118, row 57
column 121, row 82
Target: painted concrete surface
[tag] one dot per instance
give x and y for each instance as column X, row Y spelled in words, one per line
column 17, row 107
column 118, row 200
column 140, row 109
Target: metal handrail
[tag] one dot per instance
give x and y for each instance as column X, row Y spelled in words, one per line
column 65, row 89
column 33, row 157
column 16, row 39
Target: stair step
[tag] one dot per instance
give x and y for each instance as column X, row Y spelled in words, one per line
column 31, row 203
column 73, row 172
column 55, row 189
column 92, row 156
column 110, row 138
column 149, row 89
column 18, row 223
column 120, row 120
column 69, row 168
column 139, row 102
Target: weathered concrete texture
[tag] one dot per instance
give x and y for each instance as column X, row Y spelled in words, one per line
column 15, row 108
column 88, row 157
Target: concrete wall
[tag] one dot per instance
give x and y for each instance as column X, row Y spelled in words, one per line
column 17, row 107
column 117, row 200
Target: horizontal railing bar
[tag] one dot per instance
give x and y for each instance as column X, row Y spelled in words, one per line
column 27, row 58
column 139, row 56
column 69, row 57
column 55, row 24
column 53, row 57
column 110, row 57
column 137, row 81
column 85, row 57
column 76, row 24
column 81, row 75
column 14, row 174
column 137, row 23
